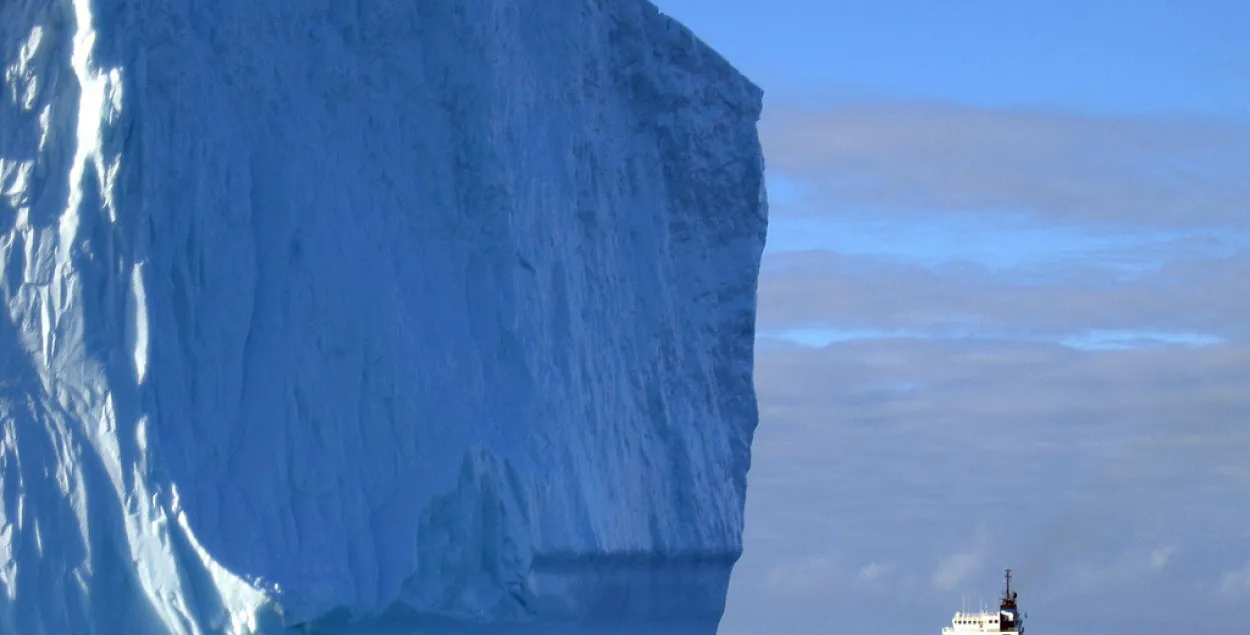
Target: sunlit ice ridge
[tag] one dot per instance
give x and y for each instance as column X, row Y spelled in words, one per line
column 372, row 317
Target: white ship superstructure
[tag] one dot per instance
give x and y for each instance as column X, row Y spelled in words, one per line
column 1007, row 621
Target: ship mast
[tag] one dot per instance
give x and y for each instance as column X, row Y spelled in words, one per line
column 1009, row 618
column 1009, row 598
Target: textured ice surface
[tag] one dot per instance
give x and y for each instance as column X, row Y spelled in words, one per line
column 372, row 316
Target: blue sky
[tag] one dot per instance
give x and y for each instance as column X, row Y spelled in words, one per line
column 1001, row 312
column 1110, row 57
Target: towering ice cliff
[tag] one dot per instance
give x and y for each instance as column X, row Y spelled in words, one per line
column 371, row 316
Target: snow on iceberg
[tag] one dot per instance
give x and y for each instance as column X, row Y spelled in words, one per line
column 365, row 316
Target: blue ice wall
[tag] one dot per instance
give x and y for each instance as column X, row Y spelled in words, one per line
column 372, row 316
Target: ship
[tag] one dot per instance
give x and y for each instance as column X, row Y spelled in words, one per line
column 1008, row 620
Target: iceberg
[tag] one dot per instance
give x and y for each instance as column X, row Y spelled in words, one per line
column 343, row 316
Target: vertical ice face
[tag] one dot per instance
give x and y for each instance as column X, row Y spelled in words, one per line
column 362, row 316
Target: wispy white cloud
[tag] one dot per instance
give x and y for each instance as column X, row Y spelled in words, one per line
column 1236, row 583
column 803, row 575
column 1159, row 557
column 956, row 569
column 1205, row 298
column 1064, row 167
column 874, row 572
column 1119, row 569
